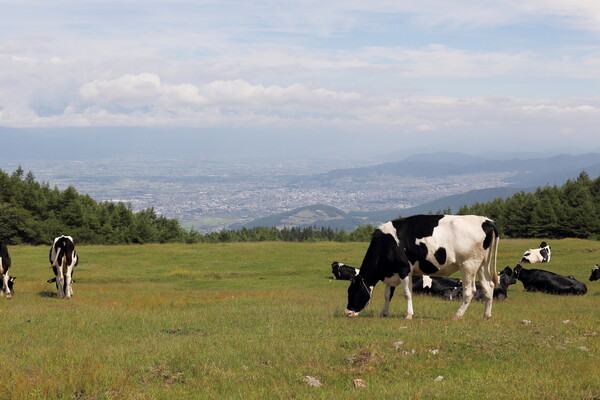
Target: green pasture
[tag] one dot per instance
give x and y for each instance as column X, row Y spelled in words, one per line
column 252, row 320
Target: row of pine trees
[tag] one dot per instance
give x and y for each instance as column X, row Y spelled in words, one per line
column 568, row 211
column 34, row 213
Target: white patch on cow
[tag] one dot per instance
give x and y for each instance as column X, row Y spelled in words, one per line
column 357, row 270
column 388, row 228
column 457, row 251
column 1, row 267
column 427, row 282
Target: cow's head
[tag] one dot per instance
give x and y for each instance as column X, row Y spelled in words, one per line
column 595, row 273
column 507, row 277
column 452, row 293
column 335, row 266
column 11, row 283
column 359, row 295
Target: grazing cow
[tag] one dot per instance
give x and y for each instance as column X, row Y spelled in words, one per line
column 539, row 280
column 343, row 272
column 8, row 287
column 63, row 259
column 595, row 273
column 541, row 254
column 431, row 245
column 439, row 286
column 7, row 280
column 507, row 278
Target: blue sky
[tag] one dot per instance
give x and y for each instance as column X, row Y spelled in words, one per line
column 452, row 74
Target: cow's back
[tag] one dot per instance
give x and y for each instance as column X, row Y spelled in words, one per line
column 538, row 280
column 456, row 239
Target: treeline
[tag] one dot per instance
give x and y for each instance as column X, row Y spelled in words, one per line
column 569, row 211
column 34, row 213
column 360, row 234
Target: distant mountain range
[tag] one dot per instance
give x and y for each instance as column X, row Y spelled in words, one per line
column 553, row 170
column 522, row 174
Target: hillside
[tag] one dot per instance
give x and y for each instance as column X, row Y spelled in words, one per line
column 528, row 172
column 320, row 215
column 517, row 175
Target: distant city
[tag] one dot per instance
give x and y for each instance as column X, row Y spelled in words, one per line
column 209, row 195
column 212, row 194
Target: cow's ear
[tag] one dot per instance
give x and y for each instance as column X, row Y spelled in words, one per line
column 12, row 278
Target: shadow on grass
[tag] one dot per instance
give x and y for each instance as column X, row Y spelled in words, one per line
column 48, row 294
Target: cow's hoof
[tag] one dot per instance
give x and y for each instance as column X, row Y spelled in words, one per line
column 409, row 316
column 382, row 315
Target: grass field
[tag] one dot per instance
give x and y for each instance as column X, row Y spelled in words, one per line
column 251, row 321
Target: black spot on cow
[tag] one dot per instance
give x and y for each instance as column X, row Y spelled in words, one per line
column 419, row 254
column 490, row 230
column 440, row 255
column 419, row 226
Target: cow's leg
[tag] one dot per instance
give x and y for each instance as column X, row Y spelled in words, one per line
column 487, row 289
column 387, row 296
column 407, row 289
column 60, row 282
column 68, row 281
column 6, row 289
column 468, row 284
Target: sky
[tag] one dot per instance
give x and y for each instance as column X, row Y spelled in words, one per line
column 378, row 75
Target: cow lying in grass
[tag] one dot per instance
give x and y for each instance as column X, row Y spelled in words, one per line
column 539, row 280
column 541, row 254
column 439, row 286
column 507, row 278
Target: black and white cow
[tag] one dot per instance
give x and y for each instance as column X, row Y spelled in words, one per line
column 343, row 272
column 506, row 278
column 63, row 259
column 430, row 245
column 8, row 287
column 7, row 280
column 438, row 286
column 539, row 280
column 595, row 273
column 541, row 254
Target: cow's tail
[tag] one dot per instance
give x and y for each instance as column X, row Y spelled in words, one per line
column 494, row 251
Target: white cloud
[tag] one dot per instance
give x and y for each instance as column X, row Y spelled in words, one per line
column 127, row 90
column 394, row 66
column 147, row 89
